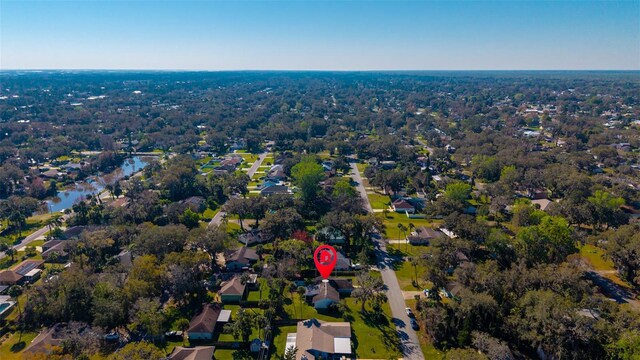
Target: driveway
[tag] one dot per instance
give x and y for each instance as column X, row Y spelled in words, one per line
column 410, row 342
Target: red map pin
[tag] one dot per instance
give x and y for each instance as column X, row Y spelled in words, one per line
column 325, row 258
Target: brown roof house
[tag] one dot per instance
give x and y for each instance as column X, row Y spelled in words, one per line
column 233, row 291
column 316, row 339
column 55, row 251
column 194, row 353
column 241, row 258
column 423, row 235
column 403, row 206
column 203, row 325
column 10, row 277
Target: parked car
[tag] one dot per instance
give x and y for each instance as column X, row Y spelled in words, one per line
column 409, row 312
column 414, row 324
column 426, row 292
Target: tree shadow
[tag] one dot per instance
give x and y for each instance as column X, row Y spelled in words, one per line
column 19, row 346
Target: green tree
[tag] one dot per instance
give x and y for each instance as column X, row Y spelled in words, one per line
column 627, row 347
column 139, row 350
column 190, row 219
column 458, row 191
column 307, row 175
column 241, row 327
column 368, row 288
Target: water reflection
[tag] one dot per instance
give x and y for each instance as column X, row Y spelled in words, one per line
column 66, row 199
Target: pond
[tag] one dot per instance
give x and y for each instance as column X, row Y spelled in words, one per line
column 66, row 199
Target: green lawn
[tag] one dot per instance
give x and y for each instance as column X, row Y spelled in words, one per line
column 393, row 219
column 34, row 223
column 595, row 256
column 208, row 214
column 361, row 167
column 225, row 354
column 379, row 201
column 11, row 349
column 279, row 340
column 405, row 274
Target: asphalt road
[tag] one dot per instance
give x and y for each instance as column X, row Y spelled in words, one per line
column 217, row 219
column 410, row 342
column 31, row 237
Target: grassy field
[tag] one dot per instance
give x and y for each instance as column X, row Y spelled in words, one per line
column 34, row 223
column 379, row 201
column 595, row 256
column 208, row 214
column 361, row 167
column 373, row 338
column 393, row 219
column 405, row 274
column 11, row 348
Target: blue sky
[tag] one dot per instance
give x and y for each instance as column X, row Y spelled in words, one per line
column 319, row 35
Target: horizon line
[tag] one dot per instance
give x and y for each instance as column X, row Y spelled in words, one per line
column 300, row 70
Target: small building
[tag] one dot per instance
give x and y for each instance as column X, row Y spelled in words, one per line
column 192, row 353
column 241, row 259
column 316, row 339
column 403, row 206
column 233, row 291
column 203, row 325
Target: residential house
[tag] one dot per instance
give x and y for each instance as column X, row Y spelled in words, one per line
column 233, row 291
column 10, row 277
column 343, row 263
column 316, row 339
column 203, row 325
column 55, row 251
column 51, row 174
column 241, row 258
column 403, row 206
column 193, row 353
column 423, row 235
column 329, row 235
column 543, row 204
column 322, row 295
column 344, row 286
column 254, row 237
column 275, row 189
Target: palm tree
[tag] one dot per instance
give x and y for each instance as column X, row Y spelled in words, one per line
column 411, row 227
column 54, row 222
column 301, row 291
column 14, row 292
column 403, row 229
column 11, row 252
